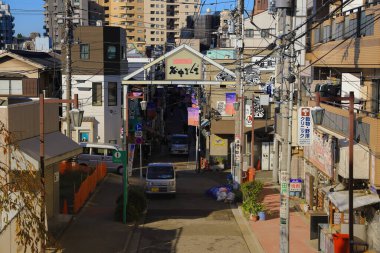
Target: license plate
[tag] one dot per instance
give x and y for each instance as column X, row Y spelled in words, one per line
column 154, row 189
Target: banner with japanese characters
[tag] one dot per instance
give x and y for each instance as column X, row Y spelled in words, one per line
column 230, row 99
column 193, row 116
column 183, row 65
column 305, row 133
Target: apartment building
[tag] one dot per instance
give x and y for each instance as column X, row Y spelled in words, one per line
column 55, row 11
column 99, row 65
column 6, row 25
column 128, row 14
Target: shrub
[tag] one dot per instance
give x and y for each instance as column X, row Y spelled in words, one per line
column 252, row 197
column 135, row 207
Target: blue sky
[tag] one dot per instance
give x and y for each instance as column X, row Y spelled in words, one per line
column 29, row 13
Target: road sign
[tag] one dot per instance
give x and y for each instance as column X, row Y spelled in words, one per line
column 119, row 156
column 138, row 140
column 138, row 127
column 138, row 134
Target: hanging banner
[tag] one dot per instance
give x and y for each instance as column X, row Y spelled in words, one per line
column 259, row 111
column 305, row 133
column 230, row 99
column 131, row 154
column 193, row 116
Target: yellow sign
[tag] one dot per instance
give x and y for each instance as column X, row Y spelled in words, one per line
column 183, row 65
column 219, row 142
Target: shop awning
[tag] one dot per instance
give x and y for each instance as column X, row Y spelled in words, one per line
column 58, row 147
column 340, row 199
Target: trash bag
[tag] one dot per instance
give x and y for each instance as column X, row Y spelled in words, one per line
column 221, row 196
column 230, row 197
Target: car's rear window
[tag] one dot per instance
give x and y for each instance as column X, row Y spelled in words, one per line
column 160, row 172
column 179, row 140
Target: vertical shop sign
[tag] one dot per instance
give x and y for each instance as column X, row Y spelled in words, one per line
column 305, row 132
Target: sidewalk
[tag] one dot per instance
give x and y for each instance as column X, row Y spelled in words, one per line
column 267, row 233
column 94, row 229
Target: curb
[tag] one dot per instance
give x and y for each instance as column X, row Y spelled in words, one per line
column 250, row 238
column 132, row 233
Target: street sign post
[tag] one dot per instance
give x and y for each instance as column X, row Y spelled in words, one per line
column 121, row 157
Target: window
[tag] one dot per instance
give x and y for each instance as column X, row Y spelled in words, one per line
column 98, row 151
column 326, row 33
column 316, row 35
column 248, row 33
column 111, row 52
column 264, row 33
column 339, row 31
column 84, row 137
column 366, row 24
column 84, row 51
column 139, row 24
column 112, row 94
column 86, row 150
column 186, row 6
column 97, row 94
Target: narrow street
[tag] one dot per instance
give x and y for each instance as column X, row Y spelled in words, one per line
column 191, row 222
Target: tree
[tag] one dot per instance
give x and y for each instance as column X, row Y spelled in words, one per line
column 19, row 36
column 20, row 194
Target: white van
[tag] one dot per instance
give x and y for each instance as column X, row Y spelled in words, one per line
column 95, row 153
column 160, row 178
column 179, row 144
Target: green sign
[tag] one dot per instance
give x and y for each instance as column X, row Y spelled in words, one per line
column 119, row 156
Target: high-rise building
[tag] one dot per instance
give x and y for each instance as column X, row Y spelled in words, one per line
column 6, row 25
column 149, row 22
column 55, row 11
column 164, row 20
column 128, row 14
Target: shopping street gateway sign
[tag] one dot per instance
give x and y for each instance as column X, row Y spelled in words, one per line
column 183, row 66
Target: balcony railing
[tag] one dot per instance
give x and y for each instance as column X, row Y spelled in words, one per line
column 357, row 22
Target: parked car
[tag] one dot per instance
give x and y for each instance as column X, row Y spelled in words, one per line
column 179, row 144
column 95, row 153
column 160, row 179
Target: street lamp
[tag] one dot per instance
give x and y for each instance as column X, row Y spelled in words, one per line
column 236, row 106
column 77, row 117
column 317, row 114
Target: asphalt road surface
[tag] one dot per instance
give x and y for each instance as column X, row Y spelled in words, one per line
column 190, row 222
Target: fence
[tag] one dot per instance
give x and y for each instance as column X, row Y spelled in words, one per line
column 88, row 186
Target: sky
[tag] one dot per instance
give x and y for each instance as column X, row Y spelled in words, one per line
column 29, row 13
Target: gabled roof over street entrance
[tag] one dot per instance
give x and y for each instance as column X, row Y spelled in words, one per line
column 179, row 51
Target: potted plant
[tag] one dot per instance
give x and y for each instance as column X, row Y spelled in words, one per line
column 253, row 208
column 252, row 204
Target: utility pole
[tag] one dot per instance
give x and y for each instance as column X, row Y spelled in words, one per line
column 284, row 11
column 239, row 117
column 68, row 41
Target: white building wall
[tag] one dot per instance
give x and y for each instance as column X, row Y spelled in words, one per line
column 107, row 121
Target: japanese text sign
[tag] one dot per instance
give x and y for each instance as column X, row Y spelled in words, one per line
column 305, row 133
column 183, row 65
column 295, row 185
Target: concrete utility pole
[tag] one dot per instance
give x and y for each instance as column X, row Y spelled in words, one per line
column 239, row 117
column 68, row 41
column 284, row 11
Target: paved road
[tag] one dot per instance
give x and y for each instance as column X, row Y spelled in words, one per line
column 191, row 222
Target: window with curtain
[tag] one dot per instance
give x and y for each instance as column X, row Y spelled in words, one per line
column 339, row 31
column 97, row 94
column 84, row 51
column 112, row 94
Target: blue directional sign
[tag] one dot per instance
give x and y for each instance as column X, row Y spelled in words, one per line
column 138, row 127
